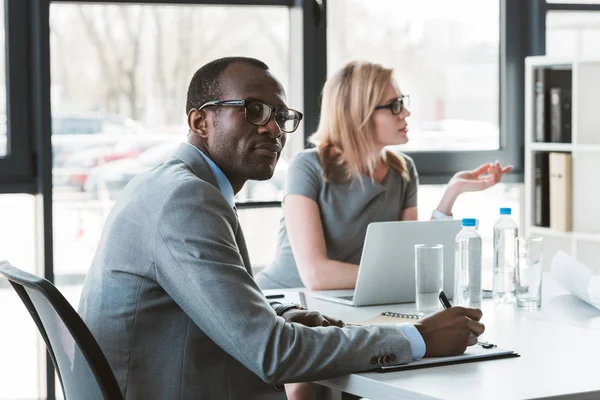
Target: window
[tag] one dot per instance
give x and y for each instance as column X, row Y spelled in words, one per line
column 119, row 107
column 18, row 335
column 573, row 33
column 450, row 72
column 261, row 229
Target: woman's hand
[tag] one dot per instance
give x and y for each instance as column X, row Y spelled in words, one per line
column 482, row 177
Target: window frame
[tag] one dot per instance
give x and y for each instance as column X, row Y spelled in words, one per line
column 517, row 40
column 17, row 167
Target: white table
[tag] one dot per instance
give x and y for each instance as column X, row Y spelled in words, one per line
column 559, row 346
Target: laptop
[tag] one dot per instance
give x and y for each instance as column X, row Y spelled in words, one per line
column 387, row 267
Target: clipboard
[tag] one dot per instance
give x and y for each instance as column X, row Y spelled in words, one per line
column 472, row 354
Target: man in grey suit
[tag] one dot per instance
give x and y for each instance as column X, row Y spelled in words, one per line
column 170, row 294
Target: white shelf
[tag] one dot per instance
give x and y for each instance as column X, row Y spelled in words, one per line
column 545, row 61
column 587, row 147
column 536, row 230
column 539, row 146
column 591, row 237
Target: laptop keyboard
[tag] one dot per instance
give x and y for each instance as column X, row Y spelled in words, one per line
column 346, row 297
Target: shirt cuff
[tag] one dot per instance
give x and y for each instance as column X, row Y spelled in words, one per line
column 417, row 344
column 437, row 214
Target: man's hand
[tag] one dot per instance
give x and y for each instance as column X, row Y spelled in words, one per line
column 310, row 318
column 449, row 332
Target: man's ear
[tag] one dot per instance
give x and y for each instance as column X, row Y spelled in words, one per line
column 197, row 122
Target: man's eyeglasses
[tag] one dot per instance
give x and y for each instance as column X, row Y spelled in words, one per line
column 259, row 114
column 397, row 105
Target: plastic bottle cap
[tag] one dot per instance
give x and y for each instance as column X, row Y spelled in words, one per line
column 469, row 222
column 505, row 211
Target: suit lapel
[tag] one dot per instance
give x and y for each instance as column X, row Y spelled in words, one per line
column 201, row 169
column 196, row 162
column 241, row 242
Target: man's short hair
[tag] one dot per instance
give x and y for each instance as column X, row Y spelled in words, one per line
column 207, row 85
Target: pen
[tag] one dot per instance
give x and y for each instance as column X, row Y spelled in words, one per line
column 302, row 300
column 444, row 300
column 275, row 296
column 446, row 303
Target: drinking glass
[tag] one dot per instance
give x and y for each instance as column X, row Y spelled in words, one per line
column 529, row 271
column 429, row 278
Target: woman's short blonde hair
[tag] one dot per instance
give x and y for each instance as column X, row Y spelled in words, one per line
column 346, row 134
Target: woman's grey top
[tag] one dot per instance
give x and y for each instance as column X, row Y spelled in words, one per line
column 346, row 210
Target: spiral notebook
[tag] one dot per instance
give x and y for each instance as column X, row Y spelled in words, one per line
column 480, row 352
column 389, row 317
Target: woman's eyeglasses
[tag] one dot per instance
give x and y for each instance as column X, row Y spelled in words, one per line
column 259, row 114
column 397, row 105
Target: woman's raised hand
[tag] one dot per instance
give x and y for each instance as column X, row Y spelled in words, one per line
column 480, row 178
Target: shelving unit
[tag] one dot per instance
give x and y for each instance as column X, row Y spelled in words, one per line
column 583, row 242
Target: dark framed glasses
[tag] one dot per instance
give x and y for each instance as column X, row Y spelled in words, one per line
column 397, row 105
column 259, row 114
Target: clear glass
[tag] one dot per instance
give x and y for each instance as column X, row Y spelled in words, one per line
column 444, row 58
column 529, row 271
column 573, row 33
column 429, row 276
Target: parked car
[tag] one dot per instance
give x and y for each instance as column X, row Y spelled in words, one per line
column 93, row 123
column 73, row 133
column 109, row 179
column 77, row 166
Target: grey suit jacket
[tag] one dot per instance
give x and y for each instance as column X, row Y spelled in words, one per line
column 171, row 299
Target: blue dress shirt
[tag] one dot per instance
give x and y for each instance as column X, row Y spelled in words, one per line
column 224, row 184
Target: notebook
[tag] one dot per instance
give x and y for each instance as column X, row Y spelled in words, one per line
column 389, row 317
column 480, row 352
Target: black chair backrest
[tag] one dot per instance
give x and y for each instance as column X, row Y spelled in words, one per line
column 82, row 368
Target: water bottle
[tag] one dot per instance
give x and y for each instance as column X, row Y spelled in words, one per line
column 467, row 281
column 505, row 273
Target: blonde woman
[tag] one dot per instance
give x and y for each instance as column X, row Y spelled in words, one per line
column 351, row 179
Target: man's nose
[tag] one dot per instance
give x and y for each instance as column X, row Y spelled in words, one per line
column 271, row 128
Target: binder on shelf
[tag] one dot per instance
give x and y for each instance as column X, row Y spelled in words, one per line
column 541, row 105
column 560, row 191
column 541, row 190
column 560, row 115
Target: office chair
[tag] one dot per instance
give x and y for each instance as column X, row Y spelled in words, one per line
column 82, row 368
